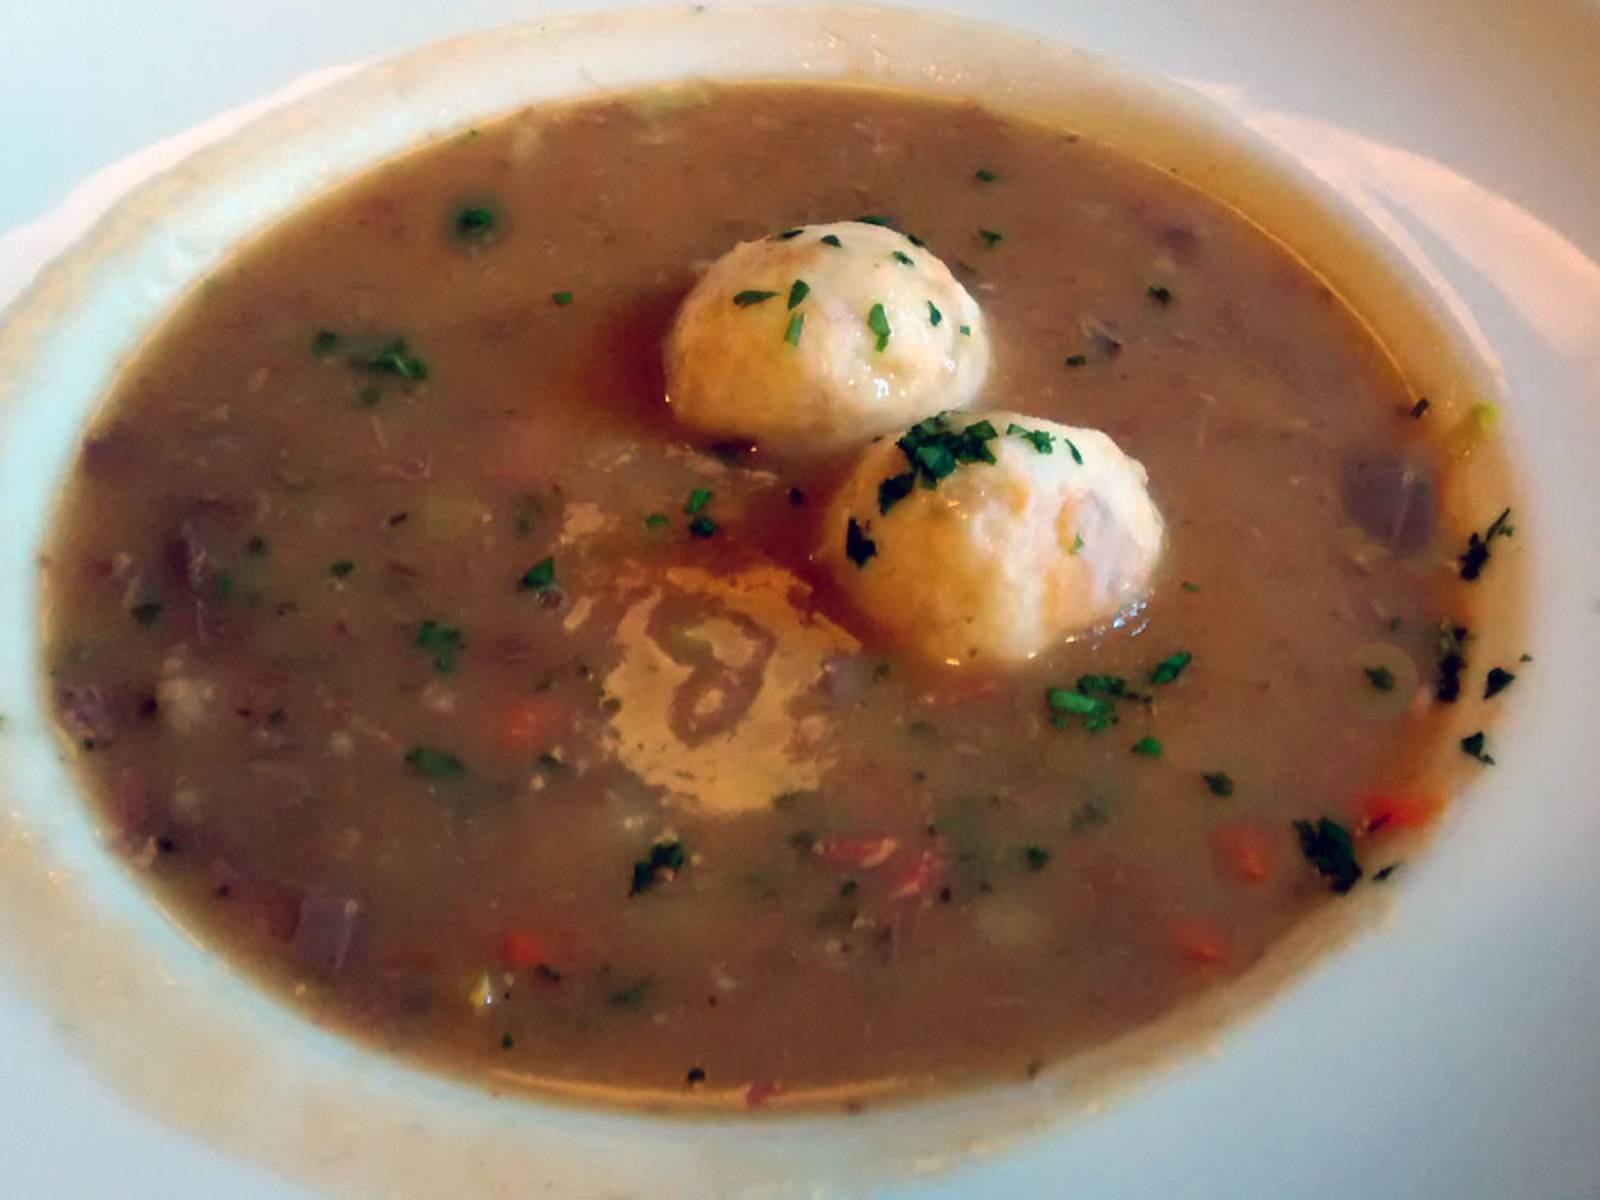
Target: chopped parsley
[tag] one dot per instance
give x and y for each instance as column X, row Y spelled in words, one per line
column 1169, row 668
column 1328, row 848
column 1420, row 407
column 894, row 489
column 434, row 764
column 1497, row 681
column 443, row 642
column 875, row 219
column 798, row 291
column 562, row 299
column 1189, row 587
column 1108, row 685
column 966, row 330
column 1380, row 677
column 1382, row 874
column 697, row 500
column 1097, row 712
column 655, row 520
column 703, row 527
column 831, row 239
column 475, row 223
column 934, row 315
column 540, row 577
column 392, row 358
column 858, row 547
column 147, row 613
column 991, row 238
column 878, row 322
column 1148, row 747
column 904, row 259
column 1077, row 544
column 1477, row 552
column 984, row 175
column 325, row 342
column 663, row 856
column 1043, row 440
column 341, row 569
column 1036, row 857
column 631, row 996
column 1219, row 782
column 751, row 296
column 1472, row 747
column 1452, row 662
column 933, row 450
column 1158, row 293
column 1077, row 360
column 787, row 234
column 1072, row 449
column 792, row 334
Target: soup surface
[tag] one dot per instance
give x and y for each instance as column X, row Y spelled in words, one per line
column 429, row 671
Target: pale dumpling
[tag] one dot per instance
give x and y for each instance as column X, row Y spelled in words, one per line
column 991, row 536
column 822, row 337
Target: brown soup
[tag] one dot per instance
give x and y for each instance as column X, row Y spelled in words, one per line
column 427, row 670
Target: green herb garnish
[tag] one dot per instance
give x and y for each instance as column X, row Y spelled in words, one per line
column 966, row 330
column 1148, row 747
column 697, row 500
column 1077, row 544
column 858, row 547
column 540, row 577
column 798, row 291
column 325, row 343
column 1169, row 668
column 1328, row 848
column 830, row 239
column 562, row 299
column 1497, row 681
column 934, row 315
column 1072, row 449
column 444, row 642
column 1219, row 783
column 991, row 238
column 1472, row 747
column 1077, row 360
column 1452, row 639
column 1472, row 560
column 663, row 856
column 703, row 527
column 904, row 259
column 751, row 296
column 1036, row 857
column 878, row 322
column 1064, row 703
column 393, row 359
column 1158, row 293
column 796, row 323
column 1380, row 677
column 1189, row 587
column 874, row 219
column 984, row 175
column 1043, row 440
column 476, row 223
column 655, row 520
column 341, row 569
column 434, row 764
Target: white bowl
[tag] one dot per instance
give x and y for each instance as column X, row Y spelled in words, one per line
column 1453, row 1053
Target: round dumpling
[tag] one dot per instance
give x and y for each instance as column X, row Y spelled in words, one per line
column 823, row 336
column 992, row 536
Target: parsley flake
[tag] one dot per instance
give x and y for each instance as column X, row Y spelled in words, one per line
column 904, row 259
column 796, row 324
column 476, row 223
column 798, row 291
column 1452, row 638
column 1097, row 712
column 984, row 175
column 830, row 239
column 878, row 322
column 1497, row 681
column 895, row 489
column 1158, row 293
column 540, row 577
column 1169, row 668
column 443, row 642
column 655, row 520
column 434, row 764
column 1036, row 857
column 562, row 299
column 1147, row 747
column 966, row 330
column 341, row 569
column 1380, row 677
column 1218, row 782
column 1477, row 552
column 393, row 359
column 858, row 547
column 697, row 500
column 1187, row 586
column 667, row 857
column 1043, row 440
column 875, row 219
column 703, row 527
column 1072, row 448
column 746, row 298
column 1328, row 848
column 934, row 315
column 1077, row 544
column 1472, row 746
column 991, row 238
column 1077, row 360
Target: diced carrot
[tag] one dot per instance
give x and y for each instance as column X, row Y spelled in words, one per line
column 1198, row 940
column 859, row 853
column 1397, row 810
column 521, row 949
column 1242, row 852
column 528, row 723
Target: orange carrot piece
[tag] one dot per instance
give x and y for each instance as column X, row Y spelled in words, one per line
column 1198, row 940
column 521, row 949
column 1243, row 853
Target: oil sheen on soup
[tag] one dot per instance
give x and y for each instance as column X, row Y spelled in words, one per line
column 428, row 668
